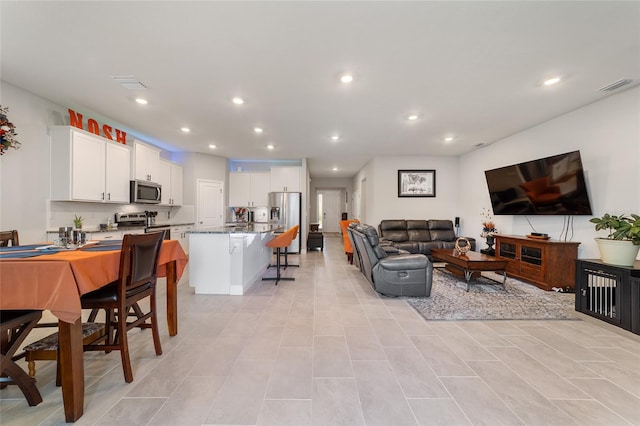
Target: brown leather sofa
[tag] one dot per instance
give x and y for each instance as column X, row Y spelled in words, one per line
column 420, row 236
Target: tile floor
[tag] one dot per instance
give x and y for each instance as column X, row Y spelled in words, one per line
column 327, row 350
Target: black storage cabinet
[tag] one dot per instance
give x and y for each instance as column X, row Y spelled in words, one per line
column 609, row 292
column 315, row 240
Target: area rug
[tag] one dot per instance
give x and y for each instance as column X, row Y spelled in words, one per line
column 487, row 300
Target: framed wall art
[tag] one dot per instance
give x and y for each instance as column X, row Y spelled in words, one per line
column 416, row 183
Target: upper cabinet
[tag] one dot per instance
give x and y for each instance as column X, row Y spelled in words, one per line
column 285, row 179
column 117, row 172
column 146, row 162
column 248, row 189
column 87, row 167
column 171, row 179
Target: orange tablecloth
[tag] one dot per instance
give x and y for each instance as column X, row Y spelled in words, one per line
column 55, row 282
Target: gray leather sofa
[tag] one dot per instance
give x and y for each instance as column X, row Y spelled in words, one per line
column 390, row 274
column 420, row 236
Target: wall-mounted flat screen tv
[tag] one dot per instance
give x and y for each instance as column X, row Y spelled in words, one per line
column 547, row 186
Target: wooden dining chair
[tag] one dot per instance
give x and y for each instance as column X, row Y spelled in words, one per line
column 14, row 327
column 282, row 241
column 136, row 281
column 9, row 238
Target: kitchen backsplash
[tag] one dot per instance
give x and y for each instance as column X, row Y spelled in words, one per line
column 62, row 213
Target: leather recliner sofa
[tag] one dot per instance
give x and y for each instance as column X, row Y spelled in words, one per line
column 420, row 236
column 390, row 274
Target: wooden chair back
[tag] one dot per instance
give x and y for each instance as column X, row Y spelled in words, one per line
column 139, row 261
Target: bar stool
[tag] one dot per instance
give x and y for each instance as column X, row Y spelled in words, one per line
column 282, row 241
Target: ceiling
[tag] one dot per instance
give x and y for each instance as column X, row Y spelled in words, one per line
column 470, row 70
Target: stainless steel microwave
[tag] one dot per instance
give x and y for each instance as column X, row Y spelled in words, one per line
column 144, row 192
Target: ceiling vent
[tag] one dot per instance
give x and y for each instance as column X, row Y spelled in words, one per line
column 615, row 85
column 129, row 82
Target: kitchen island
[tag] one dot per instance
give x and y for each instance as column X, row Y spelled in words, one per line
column 229, row 259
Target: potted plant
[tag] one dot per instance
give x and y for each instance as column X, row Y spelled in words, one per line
column 77, row 222
column 623, row 242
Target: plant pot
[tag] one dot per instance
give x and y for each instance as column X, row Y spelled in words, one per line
column 617, row 252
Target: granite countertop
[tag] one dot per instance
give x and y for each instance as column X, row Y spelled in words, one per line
column 163, row 225
column 248, row 228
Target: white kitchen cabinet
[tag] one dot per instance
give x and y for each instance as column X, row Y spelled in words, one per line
column 87, row 167
column 145, row 162
column 177, row 185
column 285, row 179
column 117, row 174
column 180, row 233
column 107, row 235
column 260, row 184
column 249, row 189
column 171, row 179
column 239, row 189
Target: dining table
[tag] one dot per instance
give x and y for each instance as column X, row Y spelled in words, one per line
column 46, row 277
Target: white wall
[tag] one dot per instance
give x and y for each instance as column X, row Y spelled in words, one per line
column 382, row 189
column 362, row 196
column 24, row 173
column 606, row 132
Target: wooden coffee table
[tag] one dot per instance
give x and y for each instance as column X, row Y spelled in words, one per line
column 471, row 264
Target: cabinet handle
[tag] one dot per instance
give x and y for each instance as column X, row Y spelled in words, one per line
column 109, row 196
column 103, row 195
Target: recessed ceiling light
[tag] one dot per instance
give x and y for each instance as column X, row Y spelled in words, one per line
column 346, row 78
column 335, row 169
column 212, row 146
column 142, row 101
column 448, row 139
column 237, row 100
column 270, row 147
column 551, row 81
column 335, row 137
column 412, row 117
column 185, row 129
column 257, row 130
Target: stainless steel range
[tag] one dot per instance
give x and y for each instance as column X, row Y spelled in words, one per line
column 131, row 219
column 146, row 219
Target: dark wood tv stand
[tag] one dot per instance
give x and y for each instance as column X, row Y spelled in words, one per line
column 545, row 263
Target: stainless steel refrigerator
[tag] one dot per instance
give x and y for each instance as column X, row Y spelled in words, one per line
column 285, row 209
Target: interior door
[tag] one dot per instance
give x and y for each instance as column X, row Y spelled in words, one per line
column 210, row 199
column 330, row 209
